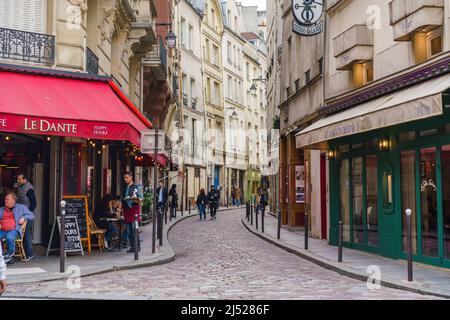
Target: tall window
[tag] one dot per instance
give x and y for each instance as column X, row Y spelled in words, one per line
column 429, row 217
column 191, row 37
column 408, row 185
column 357, row 195
column 344, row 199
column 25, row 15
column 445, row 172
column 183, row 32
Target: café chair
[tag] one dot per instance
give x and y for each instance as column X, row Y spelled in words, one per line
column 20, row 249
column 98, row 233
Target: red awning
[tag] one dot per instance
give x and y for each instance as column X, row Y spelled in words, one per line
column 67, row 106
column 162, row 159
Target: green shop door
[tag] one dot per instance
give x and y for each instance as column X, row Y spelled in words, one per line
column 359, row 201
column 425, row 183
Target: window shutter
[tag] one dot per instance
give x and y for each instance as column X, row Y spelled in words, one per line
column 25, row 15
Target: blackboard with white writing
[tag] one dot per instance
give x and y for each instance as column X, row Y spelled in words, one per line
column 76, row 206
column 72, row 234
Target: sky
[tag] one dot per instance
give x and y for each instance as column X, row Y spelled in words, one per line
column 260, row 3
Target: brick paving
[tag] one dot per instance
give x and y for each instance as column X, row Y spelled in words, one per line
column 218, row 259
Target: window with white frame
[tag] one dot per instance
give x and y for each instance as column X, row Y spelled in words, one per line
column 24, row 15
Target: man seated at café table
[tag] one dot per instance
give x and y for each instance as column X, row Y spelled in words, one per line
column 12, row 217
column 108, row 208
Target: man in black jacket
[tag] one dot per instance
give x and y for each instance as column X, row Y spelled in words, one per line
column 161, row 196
column 213, row 200
column 27, row 197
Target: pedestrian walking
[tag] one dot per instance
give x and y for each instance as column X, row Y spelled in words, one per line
column 2, row 273
column 173, row 201
column 238, row 196
column 233, row 196
column 213, row 201
column 162, row 195
column 201, row 202
column 130, row 206
column 27, row 197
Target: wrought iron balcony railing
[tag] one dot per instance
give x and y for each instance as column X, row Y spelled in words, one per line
column 193, row 102
column 158, row 53
column 27, row 46
column 185, row 99
column 91, row 62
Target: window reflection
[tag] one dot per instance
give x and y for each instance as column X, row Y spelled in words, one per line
column 358, row 223
column 372, row 200
column 445, row 165
column 345, row 194
column 408, row 186
column 428, row 192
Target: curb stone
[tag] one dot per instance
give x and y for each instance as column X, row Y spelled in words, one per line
column 343, row 270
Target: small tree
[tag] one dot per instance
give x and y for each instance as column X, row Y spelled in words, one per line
column 276, row 122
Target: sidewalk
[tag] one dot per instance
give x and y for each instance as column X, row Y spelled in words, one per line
column 44, row 268
column 427, row 279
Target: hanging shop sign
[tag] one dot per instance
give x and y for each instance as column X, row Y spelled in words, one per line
column 307, row 17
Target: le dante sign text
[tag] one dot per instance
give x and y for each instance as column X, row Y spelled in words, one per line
column 48, row 126
column 307, row 14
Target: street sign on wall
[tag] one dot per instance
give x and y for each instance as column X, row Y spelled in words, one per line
column 307, row 17
column 148, row 141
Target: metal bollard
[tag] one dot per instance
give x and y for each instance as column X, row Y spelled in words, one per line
column 263, row 209
column 62, row 239
column 409, row 245
column 165, row 214
column 279, row 225
column 256, row 216
column 341, row 231
column 251, row 214
column 136, row 237
column 306, row 231
column 247, row 211
column 161, row 229
column 189, row 207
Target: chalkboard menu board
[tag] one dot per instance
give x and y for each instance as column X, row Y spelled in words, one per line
column 77, row 206
column 72, row 234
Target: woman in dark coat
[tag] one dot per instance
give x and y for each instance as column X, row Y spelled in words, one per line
column 173, row 201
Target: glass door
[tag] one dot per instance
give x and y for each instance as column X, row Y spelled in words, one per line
column 445, row 174
column 359, row 200
column 372, row 232
column 428, row 199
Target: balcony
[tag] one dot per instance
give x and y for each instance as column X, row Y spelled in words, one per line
column 407, row 16
column 27, row 46
column 91, row 62
column 156, row 59
column 185, row 99
column 353, row 45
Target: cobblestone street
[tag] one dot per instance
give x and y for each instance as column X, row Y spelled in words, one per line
column 218, row 260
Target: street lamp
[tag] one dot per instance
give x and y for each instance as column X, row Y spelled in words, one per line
column 253, row 88
column 171, row 39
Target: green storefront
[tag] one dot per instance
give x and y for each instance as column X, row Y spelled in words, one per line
column 375, row 175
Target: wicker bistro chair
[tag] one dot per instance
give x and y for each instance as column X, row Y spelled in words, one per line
column 20, row 249
column 98, row 233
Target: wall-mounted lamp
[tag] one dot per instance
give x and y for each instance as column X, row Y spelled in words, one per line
column 383, row 144
column 331, row 154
